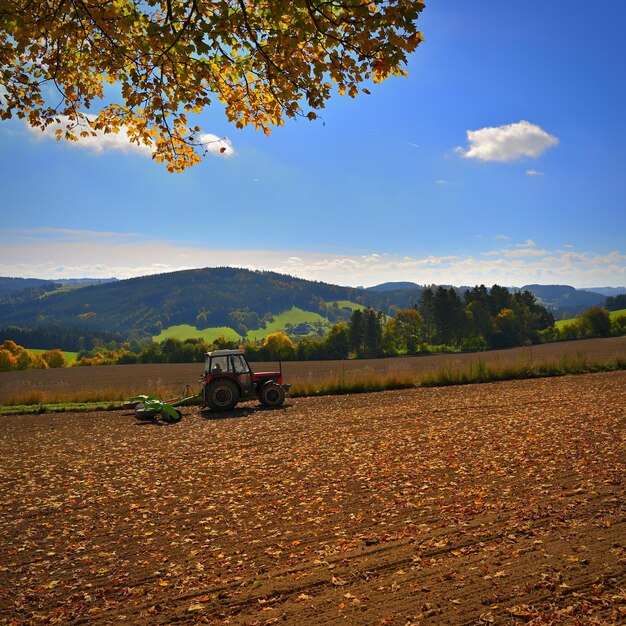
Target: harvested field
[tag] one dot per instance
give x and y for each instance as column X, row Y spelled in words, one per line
column 485, row 504
column 171, row 378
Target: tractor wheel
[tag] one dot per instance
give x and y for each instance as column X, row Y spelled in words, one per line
column 272, row 394
column 222, row 395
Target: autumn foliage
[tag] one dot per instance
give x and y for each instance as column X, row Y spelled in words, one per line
column 15, row 357
column 263, row 60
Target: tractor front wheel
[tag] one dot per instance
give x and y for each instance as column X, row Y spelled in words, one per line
column 222, row 395
column 272, row 395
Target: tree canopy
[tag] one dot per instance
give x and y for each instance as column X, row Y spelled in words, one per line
column 264, row 60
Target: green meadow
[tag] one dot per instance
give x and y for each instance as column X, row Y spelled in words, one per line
column 69, row 356
column 186, row 331
column 346, row 304
column 560, row 323
column 294, row 317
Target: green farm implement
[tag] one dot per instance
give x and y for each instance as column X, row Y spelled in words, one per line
column 154, row 409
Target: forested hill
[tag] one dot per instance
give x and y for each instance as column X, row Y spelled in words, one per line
column 563, row 299
column 13, row 286
column 213, row 297
column 201, row 297
column 10, row 286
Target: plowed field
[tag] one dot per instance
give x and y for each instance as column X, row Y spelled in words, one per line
column 485, row 504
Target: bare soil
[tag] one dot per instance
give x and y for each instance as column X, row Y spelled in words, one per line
column 172, row 378
column 485, row 504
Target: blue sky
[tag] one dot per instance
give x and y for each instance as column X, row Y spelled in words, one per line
column 499, row 160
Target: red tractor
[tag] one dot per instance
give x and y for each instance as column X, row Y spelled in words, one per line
column 228, row 379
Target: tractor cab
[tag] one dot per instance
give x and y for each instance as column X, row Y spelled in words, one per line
column 226, row 362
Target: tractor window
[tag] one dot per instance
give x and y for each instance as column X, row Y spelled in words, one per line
column 219, row 364
column 240, row 365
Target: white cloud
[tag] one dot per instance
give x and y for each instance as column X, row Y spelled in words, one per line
column 216, row 145
column 106, row 142
column 533, row 173
column 507, row 143
column 521, row 250
column 98, row 143
column 523, row 253
column 71, row 254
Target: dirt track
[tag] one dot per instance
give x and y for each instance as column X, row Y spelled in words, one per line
column 486, row 504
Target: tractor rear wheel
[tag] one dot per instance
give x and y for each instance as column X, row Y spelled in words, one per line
column 272, row 394
column 222, row 395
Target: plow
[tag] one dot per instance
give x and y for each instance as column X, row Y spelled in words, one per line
column 148, row 408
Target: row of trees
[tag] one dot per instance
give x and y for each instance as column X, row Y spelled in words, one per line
column 616, row 303
column 483, row 318
column 15, row 357
column 53, row 336
column 442, row 320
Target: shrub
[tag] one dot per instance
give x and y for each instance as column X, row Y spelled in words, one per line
column 54, row 358
column 618, row 325
column 597, row 322
column 279, row 347
column 8, row 361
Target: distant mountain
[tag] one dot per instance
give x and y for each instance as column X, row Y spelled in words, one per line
column 84, row 282
column 213, row 297
column 14, row 285
column 383, row 287
column 564, row 300
column 607, row 291
column 9, row 286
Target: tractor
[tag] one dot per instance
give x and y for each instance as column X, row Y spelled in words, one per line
column 229, row 379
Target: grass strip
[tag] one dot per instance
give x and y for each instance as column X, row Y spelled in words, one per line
column 354, row 383
column 59, row 407
column 481, row 372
